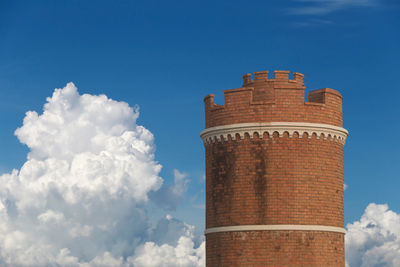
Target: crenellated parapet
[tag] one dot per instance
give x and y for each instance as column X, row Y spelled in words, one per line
column 278, row 99
column 281, row 78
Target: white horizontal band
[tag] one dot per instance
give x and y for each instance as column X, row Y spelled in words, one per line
column 275, row 227
column 324, row 131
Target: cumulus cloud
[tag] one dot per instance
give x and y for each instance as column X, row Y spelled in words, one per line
column 374, row 240
column 170, row 196
column 184, row 254
column 168, row 231
column 80, row 198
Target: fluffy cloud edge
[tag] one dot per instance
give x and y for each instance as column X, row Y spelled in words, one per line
column 81, row 197
column 374, row 240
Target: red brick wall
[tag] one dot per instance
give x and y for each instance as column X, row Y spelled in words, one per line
column 279, row 180
column 275, row 248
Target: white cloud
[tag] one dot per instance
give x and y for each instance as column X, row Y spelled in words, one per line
column 80, row 198
column 170, row 196
column 322, row 7
column 181, row 183
column 168, row 231
column 184, row 254
column 374, row 240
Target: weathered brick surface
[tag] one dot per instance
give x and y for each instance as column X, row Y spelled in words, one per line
column 280, row 248
column 274, row 181
column 278, row 180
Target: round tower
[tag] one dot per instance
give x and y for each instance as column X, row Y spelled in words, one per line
column 274, row 175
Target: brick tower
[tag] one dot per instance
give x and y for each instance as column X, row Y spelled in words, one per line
column 274, row 175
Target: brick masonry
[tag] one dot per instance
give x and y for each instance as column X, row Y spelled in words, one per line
column 272, row 180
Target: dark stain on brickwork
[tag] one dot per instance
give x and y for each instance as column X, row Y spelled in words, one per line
column 260, row 182
column 222, row 171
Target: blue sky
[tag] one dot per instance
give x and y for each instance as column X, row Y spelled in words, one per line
column 165, row 56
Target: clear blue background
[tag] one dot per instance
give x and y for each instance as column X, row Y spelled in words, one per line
column 166, row 56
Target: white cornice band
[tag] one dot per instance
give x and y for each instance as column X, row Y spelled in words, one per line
column 275, row 227
column 324, row 131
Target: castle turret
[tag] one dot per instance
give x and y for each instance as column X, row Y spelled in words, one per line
column 274, row 174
